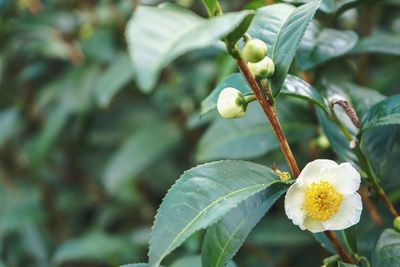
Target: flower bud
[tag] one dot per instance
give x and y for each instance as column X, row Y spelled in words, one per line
column 396, row 223
column 254, row 50
column 323, row 142
column 231, row 103
column 263, row 69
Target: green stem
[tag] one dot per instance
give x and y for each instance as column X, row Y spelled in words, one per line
column 366, row 261
column 265, row 86
column 218, row 10
column 250, row 98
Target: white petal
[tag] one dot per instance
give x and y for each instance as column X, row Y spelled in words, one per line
column 312, row 225
column 349, row 214
column 294, row 201
column 345, row 178
column 314, row 171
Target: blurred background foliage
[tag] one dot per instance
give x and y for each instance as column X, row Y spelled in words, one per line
column 85, row 157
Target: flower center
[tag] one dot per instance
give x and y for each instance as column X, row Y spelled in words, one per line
column 322, row 201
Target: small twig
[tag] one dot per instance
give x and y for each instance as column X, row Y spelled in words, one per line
column 267, row 91
column 366, row 23
column 387, row 202
column 306, row 77
column 341, row 251
column 349, row 111
column 372, row 211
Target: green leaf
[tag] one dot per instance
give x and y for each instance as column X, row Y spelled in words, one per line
column 342, row 264
column 387, row 249
column 344, row 5
column 377, row 144
column 386, row 112
column 324, row 242
column 193, row 261
column 52, row 128
column 136, row 265
column 20, row 209
column 235, row 80
column 296, row 87
column 240, row 30
column 223, row 240
column 114, row 78
column 70, row 95
column 9, row 124
column 200, row 197
column 287, row 42
column 268, row 21
column 158, row 35
column 248, row 137
column 320, row 45
column 327, row 6
column 137, row 153
column 275, row 232
column 381, row 42
column 339, row 143
column 95, row 246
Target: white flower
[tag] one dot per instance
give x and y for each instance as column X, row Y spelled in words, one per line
column 231, row 103
column 324, row 197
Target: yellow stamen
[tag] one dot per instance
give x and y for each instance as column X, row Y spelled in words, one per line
column 322, row 201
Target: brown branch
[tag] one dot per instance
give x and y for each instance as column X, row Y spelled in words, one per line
column 366, row 23
column 387, row 202
column 306, row 77
column 372, row 211
column 342, row 253
column 272, row 117
column 349, row 111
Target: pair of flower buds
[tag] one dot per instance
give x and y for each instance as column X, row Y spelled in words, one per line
column 231, row 102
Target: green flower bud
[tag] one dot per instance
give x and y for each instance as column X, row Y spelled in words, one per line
column 231, row 103
column 263, row 69
column 254, row 50
column 396, row 223
column 323, row 142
